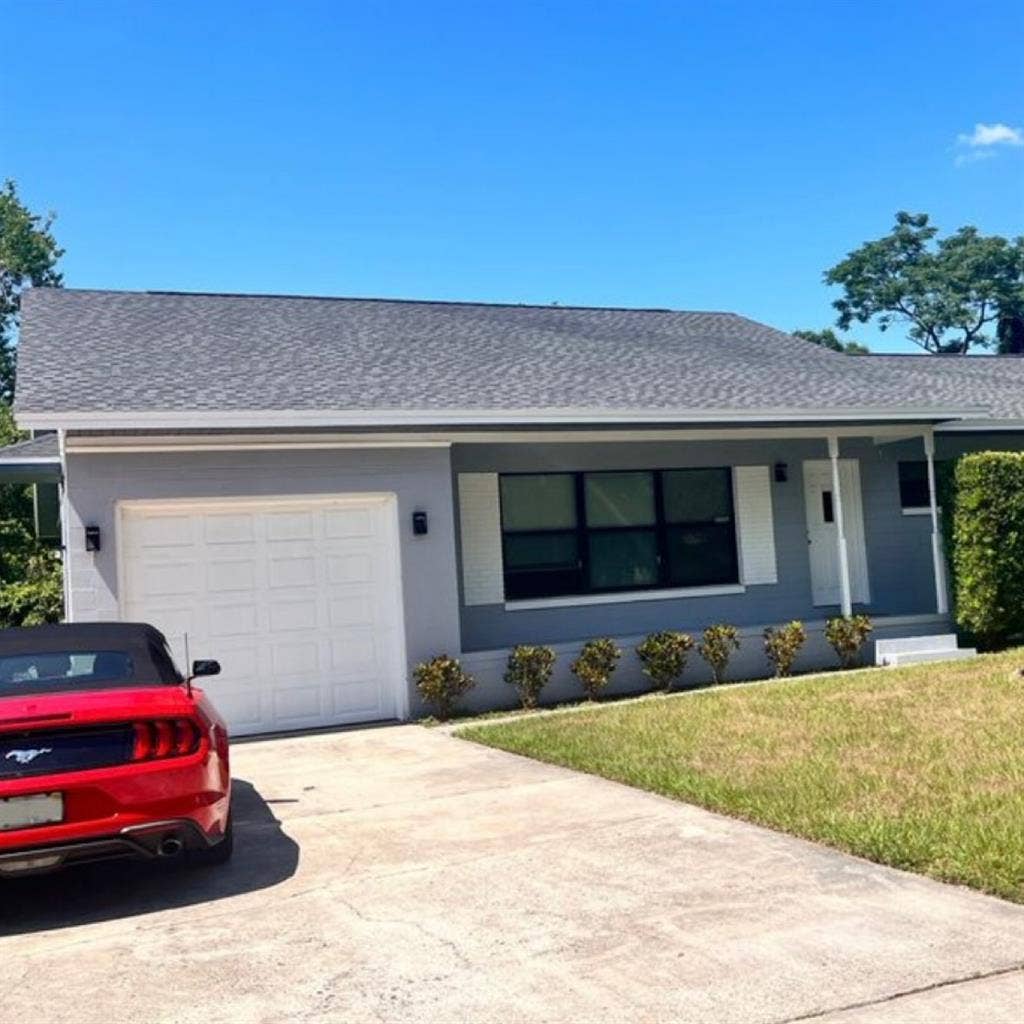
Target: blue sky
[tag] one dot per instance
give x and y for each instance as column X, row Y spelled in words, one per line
column 698, row 156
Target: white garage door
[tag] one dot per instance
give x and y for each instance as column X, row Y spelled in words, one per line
column 299, row 600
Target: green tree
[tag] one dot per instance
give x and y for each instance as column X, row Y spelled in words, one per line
column 30, row 572
column 1010, row 334
column 829, row 339
column 28, row 256
column 949, row 291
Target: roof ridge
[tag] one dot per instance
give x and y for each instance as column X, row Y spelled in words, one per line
column 397, row 301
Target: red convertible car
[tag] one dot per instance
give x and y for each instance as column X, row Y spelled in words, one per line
column 106, row 751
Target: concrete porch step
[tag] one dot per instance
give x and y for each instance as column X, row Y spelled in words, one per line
column 919, row 657
column 914, row 649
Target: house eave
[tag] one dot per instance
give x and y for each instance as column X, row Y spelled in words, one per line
column 245, row 419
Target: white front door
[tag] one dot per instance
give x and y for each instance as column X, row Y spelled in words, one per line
column 822, row 539
column 299, row 599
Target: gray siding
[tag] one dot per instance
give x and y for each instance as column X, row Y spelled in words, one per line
column 898, row 546
column 420, row 478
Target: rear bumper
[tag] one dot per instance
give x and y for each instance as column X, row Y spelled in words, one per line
column 149, row 841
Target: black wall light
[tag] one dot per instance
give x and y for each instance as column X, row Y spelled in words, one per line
column 92, row 538
column 781, row 472
column 419, row 524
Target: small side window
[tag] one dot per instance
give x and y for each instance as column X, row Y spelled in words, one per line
column 914, row 485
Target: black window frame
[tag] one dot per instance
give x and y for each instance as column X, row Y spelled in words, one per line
column 660, row 528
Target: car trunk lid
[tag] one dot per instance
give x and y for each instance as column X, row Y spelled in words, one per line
column 74, row 731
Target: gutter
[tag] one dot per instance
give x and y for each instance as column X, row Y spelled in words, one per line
column 244, row 419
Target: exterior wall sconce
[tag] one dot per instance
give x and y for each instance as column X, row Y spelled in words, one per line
column 92, row 538
column 419, row 524
column 781, row 472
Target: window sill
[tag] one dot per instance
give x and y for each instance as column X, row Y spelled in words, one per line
column 919, row 510
column 624, row 597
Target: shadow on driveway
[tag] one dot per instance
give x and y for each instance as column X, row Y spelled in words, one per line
column 264, row 856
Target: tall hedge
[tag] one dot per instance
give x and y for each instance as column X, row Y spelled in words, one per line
column 988, row 548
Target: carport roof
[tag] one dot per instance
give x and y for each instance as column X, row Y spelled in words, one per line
column 167, row 359
column 34, row 461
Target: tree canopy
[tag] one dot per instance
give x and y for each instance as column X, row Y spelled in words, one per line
column 28, row 256
column 828, row 338
column 950, row 291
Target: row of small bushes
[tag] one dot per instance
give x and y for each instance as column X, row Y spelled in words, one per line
column 663, row 656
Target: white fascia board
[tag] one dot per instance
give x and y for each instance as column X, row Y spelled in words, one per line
column 979, row 426
column 288, row 418
column 48, row 460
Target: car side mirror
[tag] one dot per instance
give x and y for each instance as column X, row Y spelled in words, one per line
column 205, row 667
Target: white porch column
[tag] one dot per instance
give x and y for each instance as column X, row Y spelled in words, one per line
column 938, row 563
column 844, row 558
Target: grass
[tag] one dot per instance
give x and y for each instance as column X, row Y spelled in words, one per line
column 920, row 768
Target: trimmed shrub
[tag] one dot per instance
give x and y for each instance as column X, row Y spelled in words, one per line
column 595, row 665
column 529, row 670
column 847, row 635
column 782, row 644
column 663, row 656
column 441, row 682
column 716, row 646
column 988, row 545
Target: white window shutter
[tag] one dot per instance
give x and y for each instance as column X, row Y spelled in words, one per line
column 752, row 486
column 483, row 579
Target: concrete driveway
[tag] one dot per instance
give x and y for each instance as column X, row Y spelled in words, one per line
column 399, row 874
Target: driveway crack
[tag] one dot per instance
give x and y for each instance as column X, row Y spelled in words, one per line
column 903, row 994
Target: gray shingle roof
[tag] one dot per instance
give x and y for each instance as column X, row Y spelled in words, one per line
column 994, row 382
column 44, row 448
column 97, row 351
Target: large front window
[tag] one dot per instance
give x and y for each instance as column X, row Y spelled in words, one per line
column 592, row 533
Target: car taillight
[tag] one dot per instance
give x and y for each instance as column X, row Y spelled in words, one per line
column 165, row 737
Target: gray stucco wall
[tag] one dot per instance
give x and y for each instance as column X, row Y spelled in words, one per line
column 420, row 478
column 898, row 546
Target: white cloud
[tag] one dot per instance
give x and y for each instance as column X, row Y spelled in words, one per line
column 992, row 135
column 979, row 145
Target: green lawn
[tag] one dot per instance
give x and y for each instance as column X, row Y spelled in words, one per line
column 921, row 768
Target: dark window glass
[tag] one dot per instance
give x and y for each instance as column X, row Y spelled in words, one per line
column 828, row 514
column 538, row 501
column 914, row 485
column 697, row 495
column 619, row 499
column 623, row 559
column 583, row 533
column 702, row 556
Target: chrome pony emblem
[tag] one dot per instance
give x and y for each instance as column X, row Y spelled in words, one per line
column 27, row 756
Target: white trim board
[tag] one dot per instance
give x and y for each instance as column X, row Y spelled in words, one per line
column 110, row 444
column 71, row 419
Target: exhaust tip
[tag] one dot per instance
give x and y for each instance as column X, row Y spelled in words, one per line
column 170, row 847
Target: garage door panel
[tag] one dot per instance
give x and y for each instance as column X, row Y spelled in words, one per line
column 227, row 575
column 170, row 579
column 292, row 571
column 232, row 620
column 351, row 611
column 348, row 523
column 289, row 616
column 228, row 528
column 299, row 705
column 353, row 568
column 290, row 660
column 289, row 526
column 358, row 697
column 297, row 598
column 167, row 531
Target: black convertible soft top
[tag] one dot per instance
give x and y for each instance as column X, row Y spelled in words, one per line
column 148, row 659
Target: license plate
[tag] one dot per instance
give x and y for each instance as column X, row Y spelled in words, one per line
column 26, row 811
